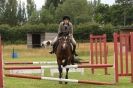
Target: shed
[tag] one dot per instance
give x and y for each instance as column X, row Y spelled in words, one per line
column 34, row 39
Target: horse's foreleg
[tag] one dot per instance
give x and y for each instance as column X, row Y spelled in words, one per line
column 67, row 69
column 69, row 61
column 65, row 62
column 60, row 73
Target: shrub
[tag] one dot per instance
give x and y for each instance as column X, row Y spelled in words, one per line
column 18, row 34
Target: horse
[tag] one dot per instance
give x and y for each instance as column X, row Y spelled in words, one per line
column 64, row 54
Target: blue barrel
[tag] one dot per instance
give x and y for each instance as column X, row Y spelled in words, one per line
column 14, row 55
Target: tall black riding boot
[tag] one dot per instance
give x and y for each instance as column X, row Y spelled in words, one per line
column 74, row 50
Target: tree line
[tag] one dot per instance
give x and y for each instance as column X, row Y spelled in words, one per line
column 15, row 12
column 17, row 17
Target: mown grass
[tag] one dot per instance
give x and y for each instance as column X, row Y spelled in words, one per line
column 39, row 54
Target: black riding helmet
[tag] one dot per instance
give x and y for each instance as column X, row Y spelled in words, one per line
column 66, row 17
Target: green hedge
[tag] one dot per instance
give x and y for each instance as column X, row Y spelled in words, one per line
column 82, row 31
column 18, row 34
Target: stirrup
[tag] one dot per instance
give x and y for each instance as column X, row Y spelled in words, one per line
column 74, row 53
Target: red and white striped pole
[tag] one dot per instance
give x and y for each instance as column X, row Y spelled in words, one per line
column 60, row 79
column 41, row 62
column 55, row 66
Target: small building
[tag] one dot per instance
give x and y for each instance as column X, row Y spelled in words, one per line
column 34, row 39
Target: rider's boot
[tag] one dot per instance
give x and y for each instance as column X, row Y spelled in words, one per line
column 74, row 50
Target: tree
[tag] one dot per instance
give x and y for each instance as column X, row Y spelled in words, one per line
column 73, row 8
column 124, row 1
column 34, row 18
column 52, row 5
column 54, row 2
column 21, row 13
column 2, row 5
column 93, row 5
column 46, row 17
column 31, row 7
column 102, row 13
column 52, row 9
column 10, row 12
column 126, row 5
column 116, row 14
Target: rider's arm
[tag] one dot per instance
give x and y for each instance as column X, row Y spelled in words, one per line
column 59, row 29
column 71, row 30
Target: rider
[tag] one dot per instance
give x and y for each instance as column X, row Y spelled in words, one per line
column 65, row 26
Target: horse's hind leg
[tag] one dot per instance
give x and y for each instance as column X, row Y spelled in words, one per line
column 60, row 73
column 67, row 69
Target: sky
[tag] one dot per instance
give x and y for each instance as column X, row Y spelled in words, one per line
column 39, row 3
column 110, row 2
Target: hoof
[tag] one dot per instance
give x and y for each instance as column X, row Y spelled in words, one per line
column 64, row 65
column 66, row 82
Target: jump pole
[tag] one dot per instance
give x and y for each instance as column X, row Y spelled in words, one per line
column 59, row 79
column 55, row 66
column 41, row 62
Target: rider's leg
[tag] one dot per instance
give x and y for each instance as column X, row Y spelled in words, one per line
column 74, row 46
column 54, row 45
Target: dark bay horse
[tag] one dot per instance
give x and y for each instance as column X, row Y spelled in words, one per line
column 64, row 54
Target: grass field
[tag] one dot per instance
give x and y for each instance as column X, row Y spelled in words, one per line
column 39, row 54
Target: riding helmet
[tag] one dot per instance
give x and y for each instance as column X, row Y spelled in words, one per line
column 66, row 17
